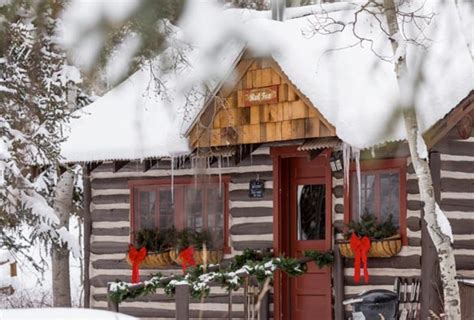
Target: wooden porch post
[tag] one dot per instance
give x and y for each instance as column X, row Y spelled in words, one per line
column 431, row 287
column 338, row 274
column 111, row 305
column 264, row 305
column 87, row 232
column 182, row 301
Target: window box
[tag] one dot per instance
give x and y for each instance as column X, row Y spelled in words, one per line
column 155, row 260
column 201, row 256
column 384, row 248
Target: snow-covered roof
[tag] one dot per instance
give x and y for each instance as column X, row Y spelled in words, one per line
column 131, row 121
column 352, row 84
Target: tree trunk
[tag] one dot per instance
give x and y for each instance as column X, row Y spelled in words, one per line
column 441, row 241
column 60, row 254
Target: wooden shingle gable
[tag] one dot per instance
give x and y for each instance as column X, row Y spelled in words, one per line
column 260, row 105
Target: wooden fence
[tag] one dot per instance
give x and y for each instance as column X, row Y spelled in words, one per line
column 255, row 306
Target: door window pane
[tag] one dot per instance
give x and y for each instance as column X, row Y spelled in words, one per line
column 311, row 212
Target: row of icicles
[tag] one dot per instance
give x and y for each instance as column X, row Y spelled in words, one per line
column 201, row 163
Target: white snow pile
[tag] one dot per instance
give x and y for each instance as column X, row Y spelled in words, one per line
column 61, row 314
column 352, row 83
column 443, row 223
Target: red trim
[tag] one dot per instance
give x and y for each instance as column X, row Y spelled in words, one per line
column 378, row 165
column 280, row 200
column 179, row 218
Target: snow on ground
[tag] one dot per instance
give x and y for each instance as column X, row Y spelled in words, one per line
column 34, row 288
column 61, row 314
column 352, row 84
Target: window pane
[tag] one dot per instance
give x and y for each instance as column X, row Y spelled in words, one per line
column 367, row 198
column 215, row 208
column 311, row 212
column 215, row 214
column 166, row 210
column 194, row 208
column 146, row 217
column 368, row 204
column 390, row 197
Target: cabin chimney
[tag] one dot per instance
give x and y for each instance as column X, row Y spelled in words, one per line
column 278, row 8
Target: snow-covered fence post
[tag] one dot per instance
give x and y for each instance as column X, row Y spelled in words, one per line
column 182, row 301
column 111, row 304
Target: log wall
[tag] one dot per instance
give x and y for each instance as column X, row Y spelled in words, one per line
column 457, row 196
column 250, row 223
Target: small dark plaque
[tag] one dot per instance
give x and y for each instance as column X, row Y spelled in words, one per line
column 256, row 188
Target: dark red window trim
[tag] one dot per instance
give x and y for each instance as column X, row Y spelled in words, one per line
column 400, row 165
column 133, row 184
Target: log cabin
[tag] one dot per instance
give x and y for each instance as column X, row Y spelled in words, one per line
column 283, row 120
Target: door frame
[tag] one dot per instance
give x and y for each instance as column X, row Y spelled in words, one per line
column 280, row 201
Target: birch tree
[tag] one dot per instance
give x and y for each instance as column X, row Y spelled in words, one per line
column 441, row 241
column 60, row 254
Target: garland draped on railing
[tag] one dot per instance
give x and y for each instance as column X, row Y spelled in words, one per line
column 201, row 277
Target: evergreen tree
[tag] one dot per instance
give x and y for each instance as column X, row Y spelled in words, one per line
column 34, row 109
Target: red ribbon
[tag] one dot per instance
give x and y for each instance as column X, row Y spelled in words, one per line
column 360, row 247
column 187, row 258
column 136, row 257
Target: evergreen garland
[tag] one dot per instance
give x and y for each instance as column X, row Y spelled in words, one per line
column 250, row 263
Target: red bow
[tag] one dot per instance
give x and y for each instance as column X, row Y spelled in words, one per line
column 136, row 257
column 360, row 247
column 187, row 258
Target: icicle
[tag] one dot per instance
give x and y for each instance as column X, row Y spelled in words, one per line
column 172, row 179
column 356, row 156
column 346, row 158
column 349, row 153
column 219, row 159
column 251, row 156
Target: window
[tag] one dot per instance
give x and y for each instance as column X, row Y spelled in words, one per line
column 382, row 192
column 188, row 204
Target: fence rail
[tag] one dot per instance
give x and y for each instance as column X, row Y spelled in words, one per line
column 255, row 306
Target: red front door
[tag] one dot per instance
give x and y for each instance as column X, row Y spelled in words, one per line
column 309, row 228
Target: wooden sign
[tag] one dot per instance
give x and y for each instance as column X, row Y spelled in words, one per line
column 256, row 188
column 257, row 96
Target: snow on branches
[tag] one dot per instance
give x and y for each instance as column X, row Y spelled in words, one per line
column 34, row 109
